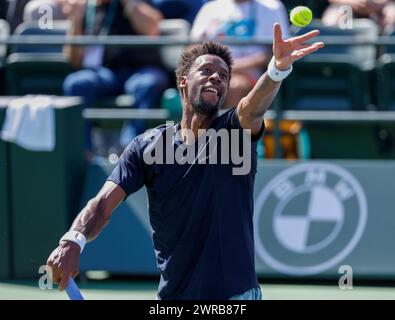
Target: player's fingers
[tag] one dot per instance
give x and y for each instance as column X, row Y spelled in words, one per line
column 48, row 268
column 53, row 276
column 318, row 45
column 74, row 273
column 305, row 51
column 307, row 36
column 278, row 35
column 56, row 279
column 52, row 271
column 64, row 281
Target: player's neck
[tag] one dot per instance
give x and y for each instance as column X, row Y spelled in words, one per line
column 191, row 122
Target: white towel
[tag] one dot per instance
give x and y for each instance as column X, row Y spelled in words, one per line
column 30, row 123
column 14, row 116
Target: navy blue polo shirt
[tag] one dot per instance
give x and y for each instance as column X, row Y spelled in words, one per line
column 200, row 212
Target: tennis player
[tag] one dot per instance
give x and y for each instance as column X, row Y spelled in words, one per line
column 201, row 213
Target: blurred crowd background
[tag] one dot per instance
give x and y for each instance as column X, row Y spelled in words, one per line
column 348, row 77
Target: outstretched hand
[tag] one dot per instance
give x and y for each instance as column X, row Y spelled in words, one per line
column 286, row 52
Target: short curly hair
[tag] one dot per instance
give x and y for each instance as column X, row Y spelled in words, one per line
column 189, row 57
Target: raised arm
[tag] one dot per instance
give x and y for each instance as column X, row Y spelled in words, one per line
column 64, row 260
column 252, row 107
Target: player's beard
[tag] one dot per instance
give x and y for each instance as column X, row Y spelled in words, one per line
column 206, row 108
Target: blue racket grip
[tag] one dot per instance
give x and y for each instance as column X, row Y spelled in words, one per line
column 72, row 290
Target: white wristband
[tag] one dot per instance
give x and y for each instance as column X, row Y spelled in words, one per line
column 276, row 74
column 76, row 237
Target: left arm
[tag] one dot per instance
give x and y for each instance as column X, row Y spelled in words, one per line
column 251, row 108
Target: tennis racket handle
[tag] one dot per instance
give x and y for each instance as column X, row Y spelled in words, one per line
column 72, row 290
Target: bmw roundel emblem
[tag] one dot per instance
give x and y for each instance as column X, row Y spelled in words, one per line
column 309, row 218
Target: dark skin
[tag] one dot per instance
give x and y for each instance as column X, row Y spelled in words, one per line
column 64, row 260
column 207, row 84
column 203, row 93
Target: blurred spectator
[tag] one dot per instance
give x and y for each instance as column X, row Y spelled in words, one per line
column 380, row 11
column 245, row 19
column 388, row 16
column 15, row 10
column 179, row 9
column 35, row 9
column 112, row 70
column 195, row 6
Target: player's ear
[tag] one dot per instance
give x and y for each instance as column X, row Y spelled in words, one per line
column 183, row 88
column 183, row 82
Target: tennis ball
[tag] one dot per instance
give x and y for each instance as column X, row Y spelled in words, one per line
column 301, row 16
